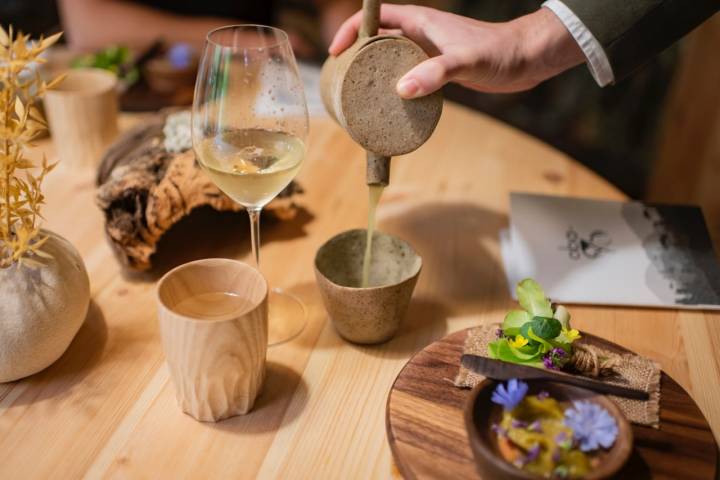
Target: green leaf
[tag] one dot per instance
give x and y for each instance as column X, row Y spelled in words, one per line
column 524, row 331
column 532, row 298
column 524, row 356
column 493, row 349
column 513, row 321
column 563, row 316
column 544, row 327
column 545, row 346
column 502, row 350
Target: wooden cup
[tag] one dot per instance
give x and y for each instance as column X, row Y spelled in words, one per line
column 82, row 113
column 217, row 364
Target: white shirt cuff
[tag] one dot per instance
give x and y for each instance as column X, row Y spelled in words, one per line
column 597, row 60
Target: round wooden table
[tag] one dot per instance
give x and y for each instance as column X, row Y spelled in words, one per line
column 107, row 408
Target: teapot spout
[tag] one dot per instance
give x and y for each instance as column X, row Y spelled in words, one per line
column 378, row 169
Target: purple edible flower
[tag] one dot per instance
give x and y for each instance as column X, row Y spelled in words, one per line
column 555, row 359
column 499, row 430
column 556, row 455
column 563, row 440
column 511, row 395
column 531, row 456
column 535, row 427
column 515, row 423
column 548, row 362
column 499, row 333
column 180, row 55
column 533, row 453
column 593, row 426
column 543, row 394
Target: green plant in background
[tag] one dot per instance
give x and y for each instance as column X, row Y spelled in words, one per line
column 114, row 58
column 20, row 123
column 537, row 335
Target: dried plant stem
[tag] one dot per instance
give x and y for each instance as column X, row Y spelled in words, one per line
column 8, row 224
column 20, row 193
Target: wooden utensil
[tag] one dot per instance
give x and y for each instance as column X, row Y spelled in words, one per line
column 82, row 113
column 217, row 364
column 499, row 370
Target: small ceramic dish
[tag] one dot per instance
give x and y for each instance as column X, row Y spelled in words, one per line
column 372, row 314
column 164, row 77
column 481, row 414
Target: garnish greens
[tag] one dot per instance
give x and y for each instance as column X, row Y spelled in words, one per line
column 537, row 335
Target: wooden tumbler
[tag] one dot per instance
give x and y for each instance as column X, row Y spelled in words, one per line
column 217, row 363
column 82, row 112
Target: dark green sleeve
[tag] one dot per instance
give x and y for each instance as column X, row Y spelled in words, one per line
column 633, row 31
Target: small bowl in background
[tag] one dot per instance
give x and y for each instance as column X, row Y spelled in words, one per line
column 481, row 413
column 175, row 69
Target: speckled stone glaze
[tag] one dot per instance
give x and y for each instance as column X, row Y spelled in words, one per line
column 358, row 90
column 373, row 314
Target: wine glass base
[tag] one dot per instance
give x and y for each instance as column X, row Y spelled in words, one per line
column 287, row 317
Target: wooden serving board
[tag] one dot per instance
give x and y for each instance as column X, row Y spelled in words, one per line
column 426, row 429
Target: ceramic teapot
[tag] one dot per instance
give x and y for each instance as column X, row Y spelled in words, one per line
column 358, row 91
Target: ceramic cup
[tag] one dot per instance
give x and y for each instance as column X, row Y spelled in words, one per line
column 373, row 314
column 216, row 356
column 82, row 113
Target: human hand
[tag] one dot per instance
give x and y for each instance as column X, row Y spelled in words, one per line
column 490, row 57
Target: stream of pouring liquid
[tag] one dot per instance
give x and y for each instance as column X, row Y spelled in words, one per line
column 374, row 197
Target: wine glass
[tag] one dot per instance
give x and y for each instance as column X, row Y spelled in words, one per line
column 249, row 128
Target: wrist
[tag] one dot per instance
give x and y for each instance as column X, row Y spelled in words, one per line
column 547, row 47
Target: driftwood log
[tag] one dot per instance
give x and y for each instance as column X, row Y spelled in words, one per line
column 144, row 190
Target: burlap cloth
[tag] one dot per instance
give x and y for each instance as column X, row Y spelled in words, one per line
column 633, row 371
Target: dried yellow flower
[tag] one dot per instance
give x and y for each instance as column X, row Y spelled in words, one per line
column 20, row 123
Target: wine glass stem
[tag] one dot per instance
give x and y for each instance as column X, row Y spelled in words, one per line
column 255, row 233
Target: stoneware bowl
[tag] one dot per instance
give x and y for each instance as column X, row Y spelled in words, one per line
column 373, row 314
column 481, row 414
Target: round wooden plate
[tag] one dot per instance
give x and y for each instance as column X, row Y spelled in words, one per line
column 426, row 431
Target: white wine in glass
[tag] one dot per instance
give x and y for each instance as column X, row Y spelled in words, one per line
column 249, row 127
column 252, row 166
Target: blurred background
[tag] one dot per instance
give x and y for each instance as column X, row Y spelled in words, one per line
column 655, row 135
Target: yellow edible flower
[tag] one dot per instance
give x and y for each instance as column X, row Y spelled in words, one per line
column 520, row 341
column 571, row 334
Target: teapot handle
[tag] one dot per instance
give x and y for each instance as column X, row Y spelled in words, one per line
column 371, row 18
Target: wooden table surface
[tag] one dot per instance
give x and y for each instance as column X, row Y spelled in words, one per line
column 107, row 408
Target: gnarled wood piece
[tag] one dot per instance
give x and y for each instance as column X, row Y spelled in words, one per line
column 144, row 190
